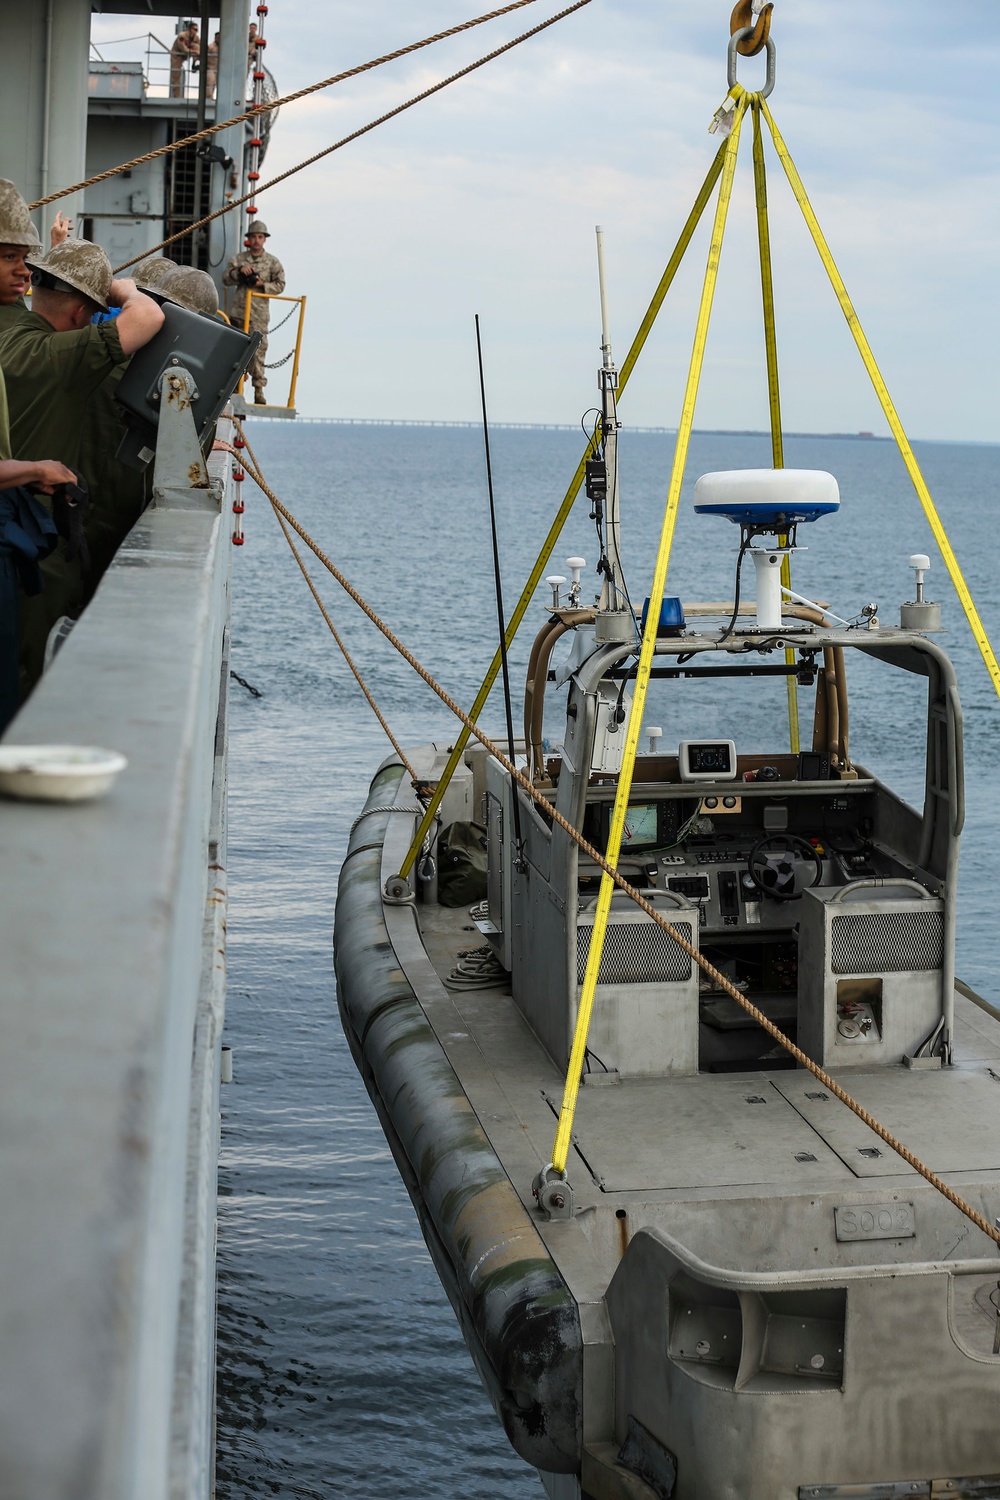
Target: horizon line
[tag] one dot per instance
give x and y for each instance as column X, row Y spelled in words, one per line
column 872, row 437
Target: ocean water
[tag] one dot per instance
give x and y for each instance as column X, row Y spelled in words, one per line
column 341, row 1368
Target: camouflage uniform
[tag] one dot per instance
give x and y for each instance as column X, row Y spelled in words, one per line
column 51, row 379
column 272, row 275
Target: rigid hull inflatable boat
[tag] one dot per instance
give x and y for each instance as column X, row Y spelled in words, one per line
column 734, row 1287
column 702, row 1130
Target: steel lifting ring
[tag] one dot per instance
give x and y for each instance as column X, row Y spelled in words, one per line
column 734, row 43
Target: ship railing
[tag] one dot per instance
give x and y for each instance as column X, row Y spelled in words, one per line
column 139, row 67
column 111, row 1007
column 239, row 309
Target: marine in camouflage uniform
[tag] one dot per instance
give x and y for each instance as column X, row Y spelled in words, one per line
column 256, row 269
column 55, row 361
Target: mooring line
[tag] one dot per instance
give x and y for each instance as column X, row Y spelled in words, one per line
column 362, row 684
column 356, row 134
column 266, row 108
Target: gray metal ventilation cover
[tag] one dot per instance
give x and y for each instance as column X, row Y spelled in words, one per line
column 636, row 953
column 887, row 942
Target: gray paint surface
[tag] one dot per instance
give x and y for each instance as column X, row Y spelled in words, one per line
column 102, row 929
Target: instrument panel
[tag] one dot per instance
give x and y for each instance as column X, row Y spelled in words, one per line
column 712, row 873
column 700, row 847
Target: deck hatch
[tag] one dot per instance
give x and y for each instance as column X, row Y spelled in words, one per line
column 699, row 1132
column 887, row 942
column 636, row 953
column 929, row 1111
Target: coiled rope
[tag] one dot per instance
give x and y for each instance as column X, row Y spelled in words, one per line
column 274, row 104
column 552, row 813
column 355, row 134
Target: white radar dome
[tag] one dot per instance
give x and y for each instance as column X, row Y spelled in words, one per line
column 767, row 498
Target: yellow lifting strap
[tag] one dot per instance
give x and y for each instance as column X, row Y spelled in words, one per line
column 560, row 1149
column 562, row 514
column 896, row 426
column 773, row 390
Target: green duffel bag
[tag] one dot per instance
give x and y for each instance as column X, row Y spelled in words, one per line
column 461, row 864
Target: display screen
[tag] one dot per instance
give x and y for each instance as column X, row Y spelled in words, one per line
column 640, row 826
column 705, row 759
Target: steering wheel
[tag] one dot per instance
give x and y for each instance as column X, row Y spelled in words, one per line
column 778, row 864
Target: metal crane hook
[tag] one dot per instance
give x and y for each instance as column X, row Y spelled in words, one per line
column 742, row 19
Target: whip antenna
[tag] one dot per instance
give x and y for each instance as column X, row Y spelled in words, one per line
column 615, row 621
column 605, row 326
column 516, row 811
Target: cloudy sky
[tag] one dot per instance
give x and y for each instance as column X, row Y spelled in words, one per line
column 484, row 199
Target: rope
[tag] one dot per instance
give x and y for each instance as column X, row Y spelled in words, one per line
column 323, row 611
column 388, row 807
column 773, row 388
column 568, row 501
column 574, row 1072
column 355, row 134
column 591, row 852
column 882, row 392
column 274, row 104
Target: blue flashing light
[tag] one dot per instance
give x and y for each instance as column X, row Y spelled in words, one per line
column 671, row 620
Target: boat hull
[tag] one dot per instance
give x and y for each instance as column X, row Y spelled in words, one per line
column 520, row 1321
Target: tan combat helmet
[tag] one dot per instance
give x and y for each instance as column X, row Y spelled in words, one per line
column 150, row 272
column 190, row 288
column 75, row 266
column 256, row 228
column 16, row 227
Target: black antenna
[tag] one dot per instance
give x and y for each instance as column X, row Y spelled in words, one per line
column 518, row 841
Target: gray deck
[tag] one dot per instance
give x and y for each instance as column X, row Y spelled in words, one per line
column 716, row 1137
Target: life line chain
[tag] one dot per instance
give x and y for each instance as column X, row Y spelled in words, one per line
column 355, row 134
column 289, row 314
column 265, row 108
column 552, row 813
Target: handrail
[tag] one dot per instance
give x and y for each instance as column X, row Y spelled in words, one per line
column 876, row 882
column 956, row 761
column 805, row 1276
column 649, row 893
column 277, row 297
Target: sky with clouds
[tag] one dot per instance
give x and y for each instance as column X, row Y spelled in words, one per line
column 484, row 200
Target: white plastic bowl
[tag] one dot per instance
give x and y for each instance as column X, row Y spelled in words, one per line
column 57, row 773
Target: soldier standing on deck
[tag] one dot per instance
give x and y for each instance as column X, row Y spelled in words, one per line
column 186, row 48
column 256, row 270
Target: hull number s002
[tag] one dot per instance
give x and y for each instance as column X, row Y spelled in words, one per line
column 875, row 1221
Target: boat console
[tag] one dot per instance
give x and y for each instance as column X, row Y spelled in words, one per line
column 807, row 882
